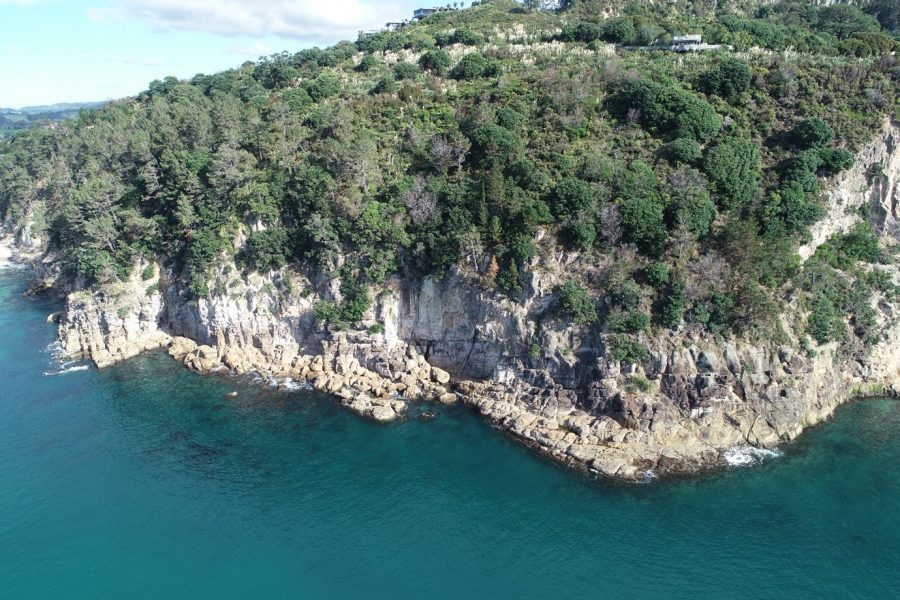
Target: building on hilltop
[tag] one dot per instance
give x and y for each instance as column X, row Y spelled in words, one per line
column 686, row 43
column 421, row 13
column 693, row 43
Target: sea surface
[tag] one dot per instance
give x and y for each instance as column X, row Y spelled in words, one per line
column 148, row 481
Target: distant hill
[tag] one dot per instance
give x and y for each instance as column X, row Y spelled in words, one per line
column 12, row 119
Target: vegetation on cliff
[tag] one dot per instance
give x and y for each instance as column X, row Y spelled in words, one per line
column 488, row 138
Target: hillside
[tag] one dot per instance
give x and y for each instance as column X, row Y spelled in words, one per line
column 15, row 119
column 572, row 201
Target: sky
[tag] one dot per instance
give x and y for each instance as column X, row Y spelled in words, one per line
column 86, row 50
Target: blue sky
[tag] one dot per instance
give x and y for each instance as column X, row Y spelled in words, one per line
column 83, row 50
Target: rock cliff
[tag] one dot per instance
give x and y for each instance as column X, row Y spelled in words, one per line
column 693, row 399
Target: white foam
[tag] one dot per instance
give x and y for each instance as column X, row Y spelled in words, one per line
column 61, row 362
column 6, row 265
column 290, row 384
column 69, row 370
column 647, row 476
column 742, row 456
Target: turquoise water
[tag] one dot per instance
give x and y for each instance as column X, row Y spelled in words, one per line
column 146, row 481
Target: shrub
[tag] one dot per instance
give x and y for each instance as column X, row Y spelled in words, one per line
column 630, row 322
column 575, row 302
column 508, row 279
column 658, row 274
column 580, row 234
column 367, row 63
column 623, row 349
column 436, row 61
column 626, row 295
column 824, row 322
column 149, row 272
column 843, row 251
column 473, row 66
column 834, row 160
column 354, row 303
column 405, row 70
column 637, row 383
column 683, row 150
column 266, row 250
column 467, row 37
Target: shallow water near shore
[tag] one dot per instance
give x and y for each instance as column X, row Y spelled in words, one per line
column 147, row 481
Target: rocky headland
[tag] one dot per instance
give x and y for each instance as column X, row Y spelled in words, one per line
column 694, row 398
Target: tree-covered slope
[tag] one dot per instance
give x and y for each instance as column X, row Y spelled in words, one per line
column 488, row 139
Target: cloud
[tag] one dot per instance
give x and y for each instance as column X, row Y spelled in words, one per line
column 304, row 19
column 253, row 50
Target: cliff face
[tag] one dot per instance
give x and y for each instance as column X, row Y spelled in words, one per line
column 689, row 402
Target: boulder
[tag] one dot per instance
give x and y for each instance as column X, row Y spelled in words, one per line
column 440, row 376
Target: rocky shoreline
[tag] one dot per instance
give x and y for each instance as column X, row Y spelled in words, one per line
column 683, row 408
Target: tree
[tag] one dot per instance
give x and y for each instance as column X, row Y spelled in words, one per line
column 733, row 166
column 580, row 234
column 672, row 308
column 689, row 203
column 887, row 12
column 812, row 133
column 619, row 30
column 571, row 196
column 729, row 78
column 843, row 20
column 582, row 32
column 667, row 109
column 643, row 224
column 325, row 85
column 495, row 143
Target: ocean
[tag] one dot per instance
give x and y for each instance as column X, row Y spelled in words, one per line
column 146, row 480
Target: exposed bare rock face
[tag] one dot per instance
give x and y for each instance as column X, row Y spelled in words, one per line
column 694, row 397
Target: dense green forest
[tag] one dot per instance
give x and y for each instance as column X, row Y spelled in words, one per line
column 490, row 140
